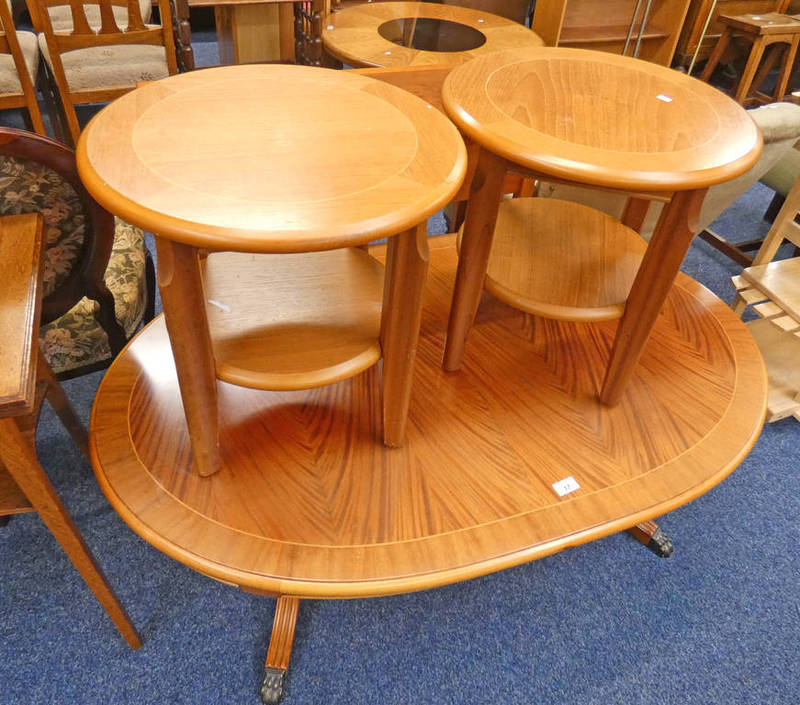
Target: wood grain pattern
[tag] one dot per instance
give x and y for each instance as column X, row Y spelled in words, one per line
column 20, row 267
column 262, row 172
column 352, row 36
column 562, row 260
column 307, row 503
column 286, row 322
column 570, row 113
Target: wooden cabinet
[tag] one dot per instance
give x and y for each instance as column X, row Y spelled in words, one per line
column 604, row 26
column 698, row 14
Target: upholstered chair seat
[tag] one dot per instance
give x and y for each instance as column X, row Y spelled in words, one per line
column 9, row 80
column 75, row 339
column 119, row 65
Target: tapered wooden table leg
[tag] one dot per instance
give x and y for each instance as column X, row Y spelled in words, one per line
column 660, row 265
column 19, row 457
column 406, row 269
column 280, row 649
column 476, row 245
column 181, row 285
column 652, row 536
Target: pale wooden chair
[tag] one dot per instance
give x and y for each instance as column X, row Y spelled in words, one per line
column 25, row 381
column 19, row 64
column 93, row 63
column 772, row 288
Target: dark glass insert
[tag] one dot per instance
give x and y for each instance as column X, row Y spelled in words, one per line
column 430, row 34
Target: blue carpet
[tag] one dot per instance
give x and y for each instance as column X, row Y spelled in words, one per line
column 603, row 623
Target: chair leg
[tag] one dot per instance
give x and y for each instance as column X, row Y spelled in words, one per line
column 786, row 69
column 746, row 81
column 652, row 536
column 774, row 207
column 716, row 55
column 60, row 403
column 280, row 649
column 20, row 460
column 150, row 285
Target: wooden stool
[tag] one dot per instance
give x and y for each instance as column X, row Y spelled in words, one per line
column 780, row 32
column 25, row 381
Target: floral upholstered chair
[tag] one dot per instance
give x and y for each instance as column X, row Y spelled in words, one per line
column 98, row 277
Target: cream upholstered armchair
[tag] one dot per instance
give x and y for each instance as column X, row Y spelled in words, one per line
column 98, row 277
column 780, row 125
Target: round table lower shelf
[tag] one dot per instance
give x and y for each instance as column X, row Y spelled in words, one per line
column 562, row 260
column 310, row 503
column 293, row 321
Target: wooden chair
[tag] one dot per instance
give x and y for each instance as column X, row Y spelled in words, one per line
column 772, row 288
column 92, row 64
column 25, row 381
column 774, row 31
column 99, row 282
column 19, row 63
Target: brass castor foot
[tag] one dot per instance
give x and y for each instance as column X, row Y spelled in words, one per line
column 272, row 687
column 649, row 533
column 660, row 544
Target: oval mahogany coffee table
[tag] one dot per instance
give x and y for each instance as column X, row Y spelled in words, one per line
column 394, row 34
column 308, row 504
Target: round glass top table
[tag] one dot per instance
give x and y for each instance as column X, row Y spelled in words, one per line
column 395, row 34
column 603, row 121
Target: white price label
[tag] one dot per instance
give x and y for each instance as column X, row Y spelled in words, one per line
column 565, row 486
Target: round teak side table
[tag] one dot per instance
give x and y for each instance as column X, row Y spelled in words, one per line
column 261, row 165
column 394, row 34
column 598, row 120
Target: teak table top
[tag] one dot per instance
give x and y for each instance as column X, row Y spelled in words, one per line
column 352, row 35
column 271, row 158
column 602, row 119
column 308, row 503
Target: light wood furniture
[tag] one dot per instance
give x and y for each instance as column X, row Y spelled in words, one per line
column 18, row 70
column 92, row 64
column 308, row 506
column 702, row 28
column 25, row 381
column 647, row 29
column 565, row 114
column 779, row 33
column 252, row 31
column 772, row 288
column 262, row 174
column 354, row 35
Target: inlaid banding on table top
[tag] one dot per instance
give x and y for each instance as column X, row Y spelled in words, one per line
column 271, row 158
column 309, row 502
column 602, row 119
column 354, row 35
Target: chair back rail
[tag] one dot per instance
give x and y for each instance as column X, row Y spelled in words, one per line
column 109, row 33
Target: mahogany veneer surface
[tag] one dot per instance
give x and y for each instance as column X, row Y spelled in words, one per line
column 310, row 503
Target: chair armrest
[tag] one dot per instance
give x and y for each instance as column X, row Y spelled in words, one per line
column 20, row 310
